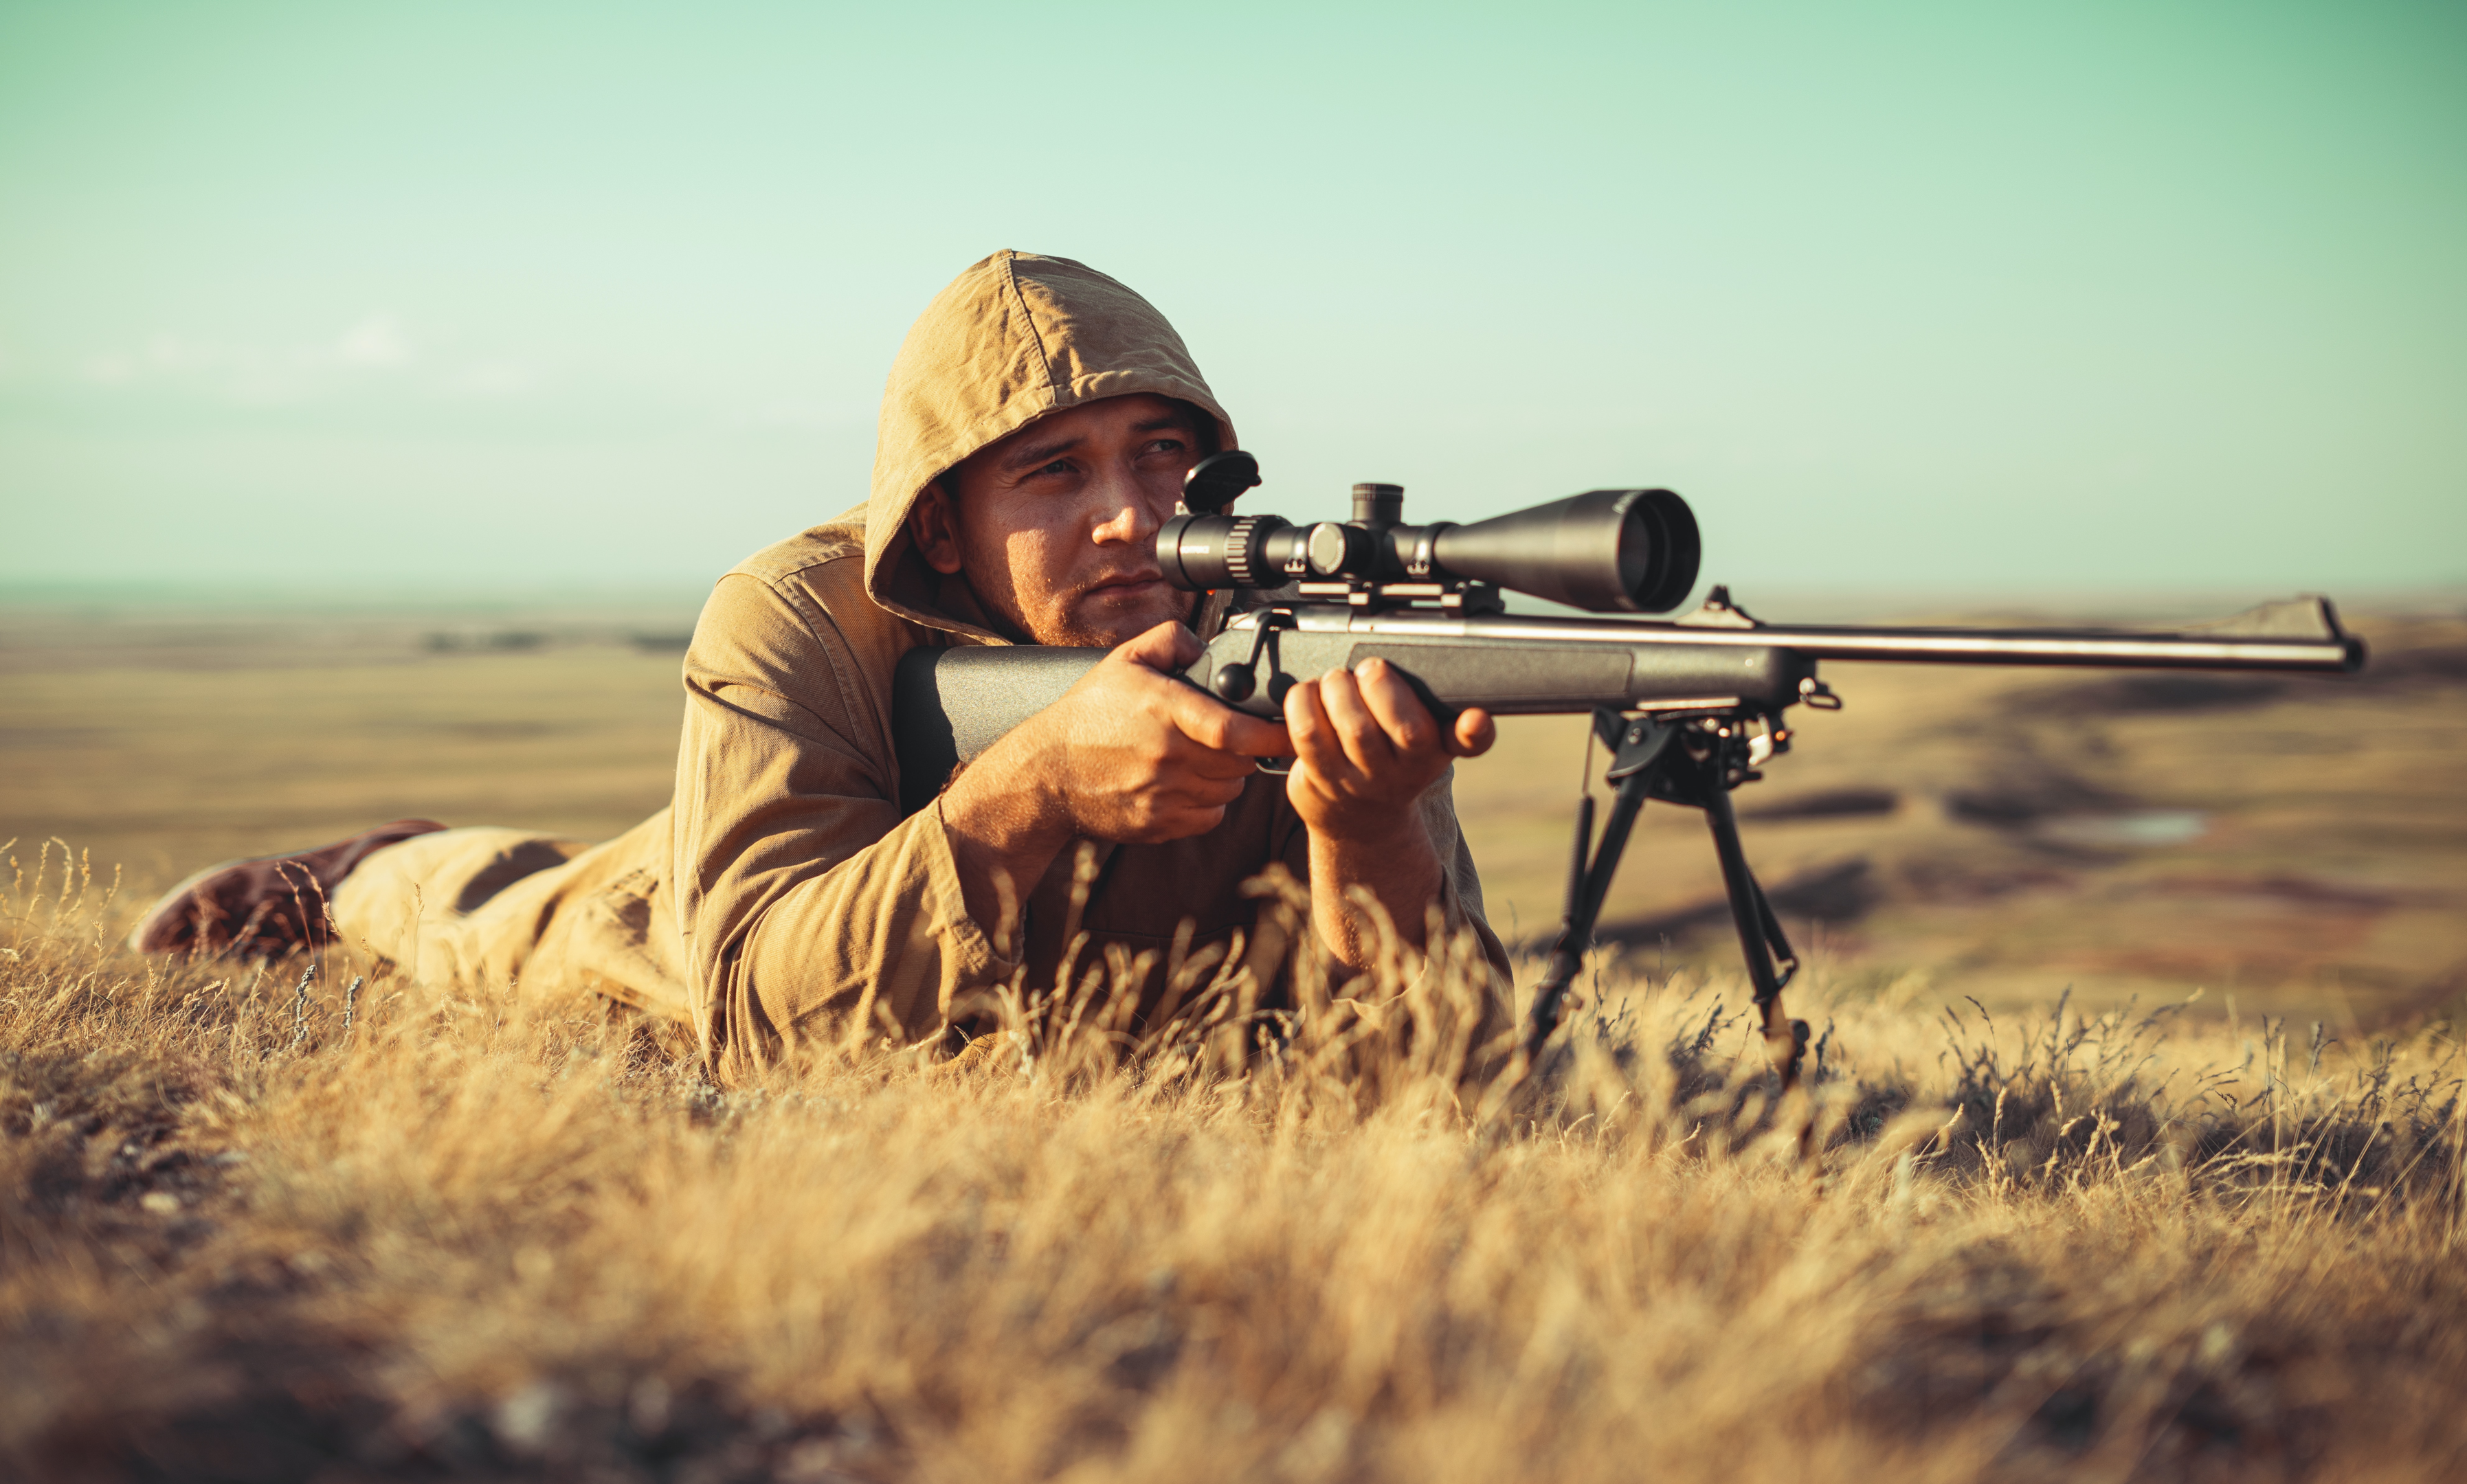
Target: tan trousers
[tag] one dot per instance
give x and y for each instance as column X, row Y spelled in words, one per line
column 486, row 908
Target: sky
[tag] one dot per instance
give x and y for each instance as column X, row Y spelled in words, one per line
column 1919, row 298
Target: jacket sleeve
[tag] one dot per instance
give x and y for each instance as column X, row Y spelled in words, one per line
column 1461, row 912
column 811, row 911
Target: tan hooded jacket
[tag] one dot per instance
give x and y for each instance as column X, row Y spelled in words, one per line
column 783, row 899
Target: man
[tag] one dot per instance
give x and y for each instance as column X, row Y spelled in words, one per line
column 1035, row 432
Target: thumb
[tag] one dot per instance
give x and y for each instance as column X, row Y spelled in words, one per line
column 1168, row 646
column 1473, row 732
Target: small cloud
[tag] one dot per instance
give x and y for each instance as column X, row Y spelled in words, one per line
column 375, row 341
column 375, row 344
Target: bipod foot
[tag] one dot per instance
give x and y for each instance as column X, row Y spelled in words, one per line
column 1785, row 1043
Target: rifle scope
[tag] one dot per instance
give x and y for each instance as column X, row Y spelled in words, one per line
column 1606, row 550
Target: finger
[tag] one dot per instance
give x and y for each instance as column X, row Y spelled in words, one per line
column 1399, row 711
column 1365, row 741
column 1315, row 742
column 1168, row 646
column 1472, row 733
column 1211, row 723
column 1202, row 793
column 1215, row 764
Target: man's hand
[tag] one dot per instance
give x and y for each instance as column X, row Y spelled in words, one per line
column 1130, row 753
column 1366, row 749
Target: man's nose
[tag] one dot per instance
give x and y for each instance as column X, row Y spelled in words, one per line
column 1129, row 512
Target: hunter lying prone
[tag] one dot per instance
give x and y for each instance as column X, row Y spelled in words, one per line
column 1036, row 433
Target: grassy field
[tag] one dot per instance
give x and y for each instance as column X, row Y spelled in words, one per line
column 252, row 1229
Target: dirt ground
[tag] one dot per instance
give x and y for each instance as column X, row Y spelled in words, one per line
column 2289, row 847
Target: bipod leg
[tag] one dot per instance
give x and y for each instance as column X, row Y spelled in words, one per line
column 1637, row 750
column 1771, row 962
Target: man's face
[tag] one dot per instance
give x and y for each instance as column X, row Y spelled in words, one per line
column 1056, row 526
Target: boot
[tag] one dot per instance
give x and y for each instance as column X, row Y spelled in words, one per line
column 266, row 906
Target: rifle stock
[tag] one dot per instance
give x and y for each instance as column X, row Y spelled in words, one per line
column 948, row 705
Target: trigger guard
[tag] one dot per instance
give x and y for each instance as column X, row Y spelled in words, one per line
column 1275, row 767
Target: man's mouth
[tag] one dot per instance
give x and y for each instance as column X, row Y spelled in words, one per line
column 1126, row 585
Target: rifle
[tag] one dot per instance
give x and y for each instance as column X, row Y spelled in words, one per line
column 1689, row 708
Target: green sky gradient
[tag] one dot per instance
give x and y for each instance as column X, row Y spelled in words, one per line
column 1921, row 297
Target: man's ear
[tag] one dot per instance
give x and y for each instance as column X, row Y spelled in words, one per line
column 933, row 526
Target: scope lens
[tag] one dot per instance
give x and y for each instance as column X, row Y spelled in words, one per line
column 1659, row 550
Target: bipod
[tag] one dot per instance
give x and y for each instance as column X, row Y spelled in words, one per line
column 1638, row 748
column 1697, row 763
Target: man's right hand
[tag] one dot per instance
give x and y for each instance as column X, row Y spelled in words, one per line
column 1131, row 754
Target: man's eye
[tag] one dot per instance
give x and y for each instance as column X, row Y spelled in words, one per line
column 1057, row 467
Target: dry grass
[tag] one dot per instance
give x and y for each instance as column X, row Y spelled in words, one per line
column 248, row 1232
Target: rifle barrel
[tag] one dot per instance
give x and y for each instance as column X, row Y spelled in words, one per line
column 2328, row 653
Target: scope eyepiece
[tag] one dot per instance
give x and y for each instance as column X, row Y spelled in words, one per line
column 1206, row 552
column 1606, row 550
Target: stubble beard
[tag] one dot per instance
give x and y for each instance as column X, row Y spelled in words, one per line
column 1081, row 622
column 1074, row 625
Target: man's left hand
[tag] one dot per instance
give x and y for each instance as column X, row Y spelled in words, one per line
column 1365, row 749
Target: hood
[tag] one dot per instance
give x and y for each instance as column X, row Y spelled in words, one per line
column 1014, row 338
